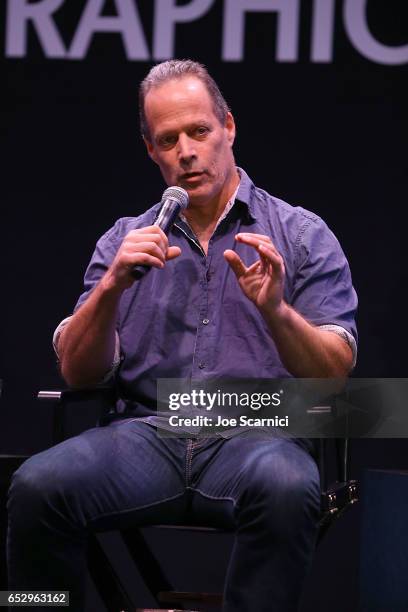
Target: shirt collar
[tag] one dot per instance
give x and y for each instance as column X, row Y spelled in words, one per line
column 225, row 212
column 243, row 193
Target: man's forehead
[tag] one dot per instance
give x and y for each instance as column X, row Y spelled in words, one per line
column 177, row 99
column 177, row 89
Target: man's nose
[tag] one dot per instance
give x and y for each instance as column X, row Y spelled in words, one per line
column 186, row 149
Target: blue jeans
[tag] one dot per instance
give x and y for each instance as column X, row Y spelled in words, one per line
column 124, row 475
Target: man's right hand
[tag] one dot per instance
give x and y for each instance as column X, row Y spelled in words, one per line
column 146, row 246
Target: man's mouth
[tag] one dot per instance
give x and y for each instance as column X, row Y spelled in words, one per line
column 191, row 176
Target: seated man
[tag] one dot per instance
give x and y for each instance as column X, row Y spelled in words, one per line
column 244, row 286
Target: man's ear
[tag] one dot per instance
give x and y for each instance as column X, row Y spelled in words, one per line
column 230, row 127
column 150, row 149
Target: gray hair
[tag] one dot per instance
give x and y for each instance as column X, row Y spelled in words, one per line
column 177, row 69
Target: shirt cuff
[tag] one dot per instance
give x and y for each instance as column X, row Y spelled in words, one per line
column 116, row 358
column 343, row 333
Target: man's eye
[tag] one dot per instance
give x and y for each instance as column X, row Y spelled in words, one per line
column 201, row 131
column 168, row 141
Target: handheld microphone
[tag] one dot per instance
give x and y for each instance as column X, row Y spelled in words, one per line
column 173, row 200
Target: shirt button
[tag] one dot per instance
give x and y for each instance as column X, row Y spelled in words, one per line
column 201, row 365
column 206, row 321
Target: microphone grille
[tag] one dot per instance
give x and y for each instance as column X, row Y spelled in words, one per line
column 176, row 193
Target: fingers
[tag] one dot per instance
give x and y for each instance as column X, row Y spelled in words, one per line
column 271, row 257
column 148, row 245
column 248, row 235
column 152, row 233
column 147, row 253
column 172, row 252
column 268, row 253
column 255, row 240
column 235, row 262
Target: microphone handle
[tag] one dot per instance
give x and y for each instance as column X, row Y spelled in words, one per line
column 165, row 219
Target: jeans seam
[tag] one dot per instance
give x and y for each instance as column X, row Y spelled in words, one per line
column 125, row 421
column 189, row 459
column 214, row 497
column 156, row 503
column 199, row 442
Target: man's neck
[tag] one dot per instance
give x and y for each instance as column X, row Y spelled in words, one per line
column 203, row 219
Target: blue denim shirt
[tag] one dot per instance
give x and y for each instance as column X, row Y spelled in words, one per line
column 191, row 319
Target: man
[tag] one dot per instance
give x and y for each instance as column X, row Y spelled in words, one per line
column 245, row 286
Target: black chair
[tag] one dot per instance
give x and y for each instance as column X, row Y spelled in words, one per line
column 336, row 498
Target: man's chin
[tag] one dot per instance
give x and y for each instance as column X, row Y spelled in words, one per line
column 199, row 197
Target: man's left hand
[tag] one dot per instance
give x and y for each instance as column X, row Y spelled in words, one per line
column 263, row 281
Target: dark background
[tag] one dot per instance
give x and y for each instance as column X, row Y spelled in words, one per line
column 331, row 137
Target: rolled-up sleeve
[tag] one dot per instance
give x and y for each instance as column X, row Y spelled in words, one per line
column 117, row 358
column 322, row 290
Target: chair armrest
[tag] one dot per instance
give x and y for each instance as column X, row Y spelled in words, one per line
column 89, row 404
column 78, row 395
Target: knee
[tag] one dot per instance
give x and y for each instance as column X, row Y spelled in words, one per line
column 286, row 485
column 33, row 486
column 27, row 483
